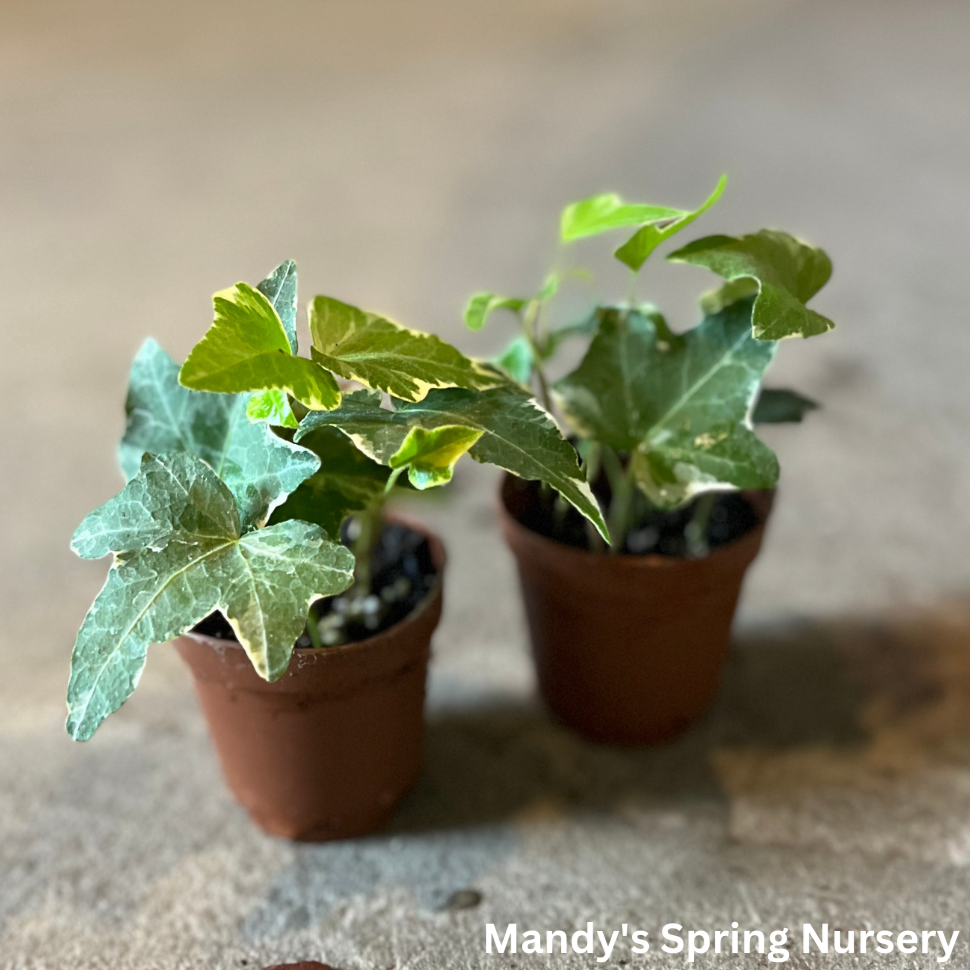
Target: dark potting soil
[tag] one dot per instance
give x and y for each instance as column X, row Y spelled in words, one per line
column 402, row 574
column 656, row 532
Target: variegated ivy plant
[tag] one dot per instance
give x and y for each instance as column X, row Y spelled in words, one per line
column 668, row 416
column 243, row 464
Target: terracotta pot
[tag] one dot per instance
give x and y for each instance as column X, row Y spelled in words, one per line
column 328, row 750
column 628, row 649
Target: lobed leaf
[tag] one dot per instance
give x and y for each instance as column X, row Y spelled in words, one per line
column 642, row 390
column 788, row 273
column 637, row 248
column 430, row 456
column 247, row 348
column 279, row 288
column 677, row 468
column 259, row 468
column 385, row 356
column 348, row 481
column 271, row 407
column 180, row 554
column 516, row 434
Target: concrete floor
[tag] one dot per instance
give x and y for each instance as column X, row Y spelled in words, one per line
column 405, row 155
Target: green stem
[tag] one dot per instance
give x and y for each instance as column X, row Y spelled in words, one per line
column 696, row 530
column 368, row 528
column 621, row 502
column 312, row 630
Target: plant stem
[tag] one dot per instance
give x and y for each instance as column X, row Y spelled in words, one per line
column 368, row 523
column 621, row 500
column 312, row 630
column 696, row 530
column 530, row 326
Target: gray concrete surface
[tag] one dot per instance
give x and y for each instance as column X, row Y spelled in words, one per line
column 407, row 154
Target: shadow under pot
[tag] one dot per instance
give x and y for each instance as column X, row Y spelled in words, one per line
column 629, row 649
column 329, row 749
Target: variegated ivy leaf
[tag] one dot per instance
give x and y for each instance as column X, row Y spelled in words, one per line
column 271, row 407
column 180, row 553
column 430, row 456
column 779, row 406
column 348, row 481
column 788, row 273
column 637, row 248
column 280, row 289
column 259, row 468
column 516, row 434
column 385, row 356
column 247, row 348
column 642, row 389
column 677, row 468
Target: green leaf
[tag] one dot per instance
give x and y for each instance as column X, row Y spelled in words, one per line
column 602, row 213
column 247, row 349
column 517, row 435
column 681, row 466
column 482, row 304
column 385, row 356
column 259, row 468
column 430, row 456
column 714, row 301
column 637, row 248
column 280, row 289
column 777, row 406
column 348, row 481
column 639, row 389
column 180, row 554
column 517, row 360
column 788, row 272
column 273, row 407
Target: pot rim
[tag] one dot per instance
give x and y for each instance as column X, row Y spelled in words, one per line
column 378, row 640
column 761, row 501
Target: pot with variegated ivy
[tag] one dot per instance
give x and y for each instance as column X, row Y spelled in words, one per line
column 630, row 635
column 252, row 531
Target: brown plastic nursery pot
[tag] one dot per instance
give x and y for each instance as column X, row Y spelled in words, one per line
column 628, row 649
column 328, row 750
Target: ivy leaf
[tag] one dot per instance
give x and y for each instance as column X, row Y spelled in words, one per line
column 777, row 406
column 517, row 435
column 430, row 456
column 180, row 553
column 482, row 304
column 679, row 467
column 714, row 301
column 280, row 289
column 272, row 407
column 247, row 348
column 637, row 248
column 517, row 360
column 259, row 468
column 385, row 356
column 602, row 213
column 788, row 273
column 348, row 481
column 641, row 389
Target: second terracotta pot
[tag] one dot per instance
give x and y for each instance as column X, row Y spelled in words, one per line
column 328, row 750
column 628, row 649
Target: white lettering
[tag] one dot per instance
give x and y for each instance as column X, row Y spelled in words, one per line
column 492, row 934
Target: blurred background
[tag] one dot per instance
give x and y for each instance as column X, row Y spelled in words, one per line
column 406, row 155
